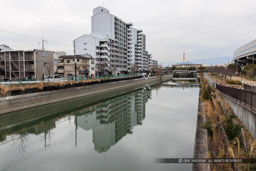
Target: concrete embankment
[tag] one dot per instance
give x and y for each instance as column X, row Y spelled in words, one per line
column 246, row 115
column 82, row 95
column 201, row 142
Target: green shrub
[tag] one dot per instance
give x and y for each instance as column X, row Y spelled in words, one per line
column 207, row 92
column 234, row 82
column 208, row 126
column 232, row 129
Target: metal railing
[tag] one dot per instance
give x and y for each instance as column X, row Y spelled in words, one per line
column 249, row 87
column 63, row 79
column 247, row 97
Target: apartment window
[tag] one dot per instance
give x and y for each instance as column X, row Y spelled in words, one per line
column 92, row 68
column 68, row 61
column 85, row 43
column 85, row 49
column 92, row 62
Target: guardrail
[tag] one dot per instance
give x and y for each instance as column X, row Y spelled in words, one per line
column 247, row 97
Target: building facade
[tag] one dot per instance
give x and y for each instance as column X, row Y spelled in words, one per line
column 246, row 54
column 112, row 120
column 23, row 65
column 79, row 65
column 115, row 44
column 56, row 60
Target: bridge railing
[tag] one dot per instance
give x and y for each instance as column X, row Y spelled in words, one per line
column 247, row 97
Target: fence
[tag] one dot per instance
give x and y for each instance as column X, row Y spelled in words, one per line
column 34, row 81
column 247, row 97
column 249, row 87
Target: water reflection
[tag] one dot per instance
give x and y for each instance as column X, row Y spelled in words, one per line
column 109, row 121
column 106, row 135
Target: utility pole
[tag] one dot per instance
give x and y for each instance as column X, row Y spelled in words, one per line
column 43, row 55
column 75, row 60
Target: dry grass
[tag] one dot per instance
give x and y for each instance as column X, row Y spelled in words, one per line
column 40, row 86
column 217, row 109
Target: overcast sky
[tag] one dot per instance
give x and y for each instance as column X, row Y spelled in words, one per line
column 201, row 28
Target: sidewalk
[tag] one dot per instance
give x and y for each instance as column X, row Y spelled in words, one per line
column 245, row 81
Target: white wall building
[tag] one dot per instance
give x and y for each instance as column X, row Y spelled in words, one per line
column 116, row 45
column 246, row 54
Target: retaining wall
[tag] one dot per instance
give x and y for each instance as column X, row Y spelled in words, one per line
column 244, row 113
column 82, row 95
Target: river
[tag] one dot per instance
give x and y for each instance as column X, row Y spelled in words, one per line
column 124, row 133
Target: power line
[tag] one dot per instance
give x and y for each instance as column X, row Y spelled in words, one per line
column 31, row 37
column 35, row 38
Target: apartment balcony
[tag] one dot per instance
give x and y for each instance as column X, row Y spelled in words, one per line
column 105, row 51
column 60, row 71
column 29, row 59
column 104, row 57
column 104, row 45
column 61, row 64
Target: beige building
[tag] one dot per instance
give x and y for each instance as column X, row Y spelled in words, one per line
column 23, row 65
column 85, row 65
column 186, row 65
column 56, row 59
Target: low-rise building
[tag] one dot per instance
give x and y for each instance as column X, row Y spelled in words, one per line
column 23, row 65
column 56, row 59
column 186, row 65
column 82, row 65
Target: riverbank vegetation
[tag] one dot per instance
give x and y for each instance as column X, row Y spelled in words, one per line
column 42, row 86
column 227, row 136
column 234, row 82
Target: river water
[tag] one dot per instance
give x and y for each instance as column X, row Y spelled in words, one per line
column 124, row 133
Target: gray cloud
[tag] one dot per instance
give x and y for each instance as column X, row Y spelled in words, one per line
column 202, row 28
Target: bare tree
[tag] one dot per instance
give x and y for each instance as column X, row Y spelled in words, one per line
column 134, row 68
column 231, row 70
column 159, row 70
column 154, row 69
column 101, row 66
column 49, row 68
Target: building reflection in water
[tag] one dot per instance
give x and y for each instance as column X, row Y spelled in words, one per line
column 111, row 120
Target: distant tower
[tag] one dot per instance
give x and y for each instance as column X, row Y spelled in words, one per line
column 184, row 56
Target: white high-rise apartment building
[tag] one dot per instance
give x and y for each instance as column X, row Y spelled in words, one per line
column 117, row 46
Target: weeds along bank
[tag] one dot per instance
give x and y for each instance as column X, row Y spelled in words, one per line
column 227, row 136
column 19, row 89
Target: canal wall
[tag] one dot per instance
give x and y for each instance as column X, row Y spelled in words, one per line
column 82, row 95
column 244, row 113
column 201, row 141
